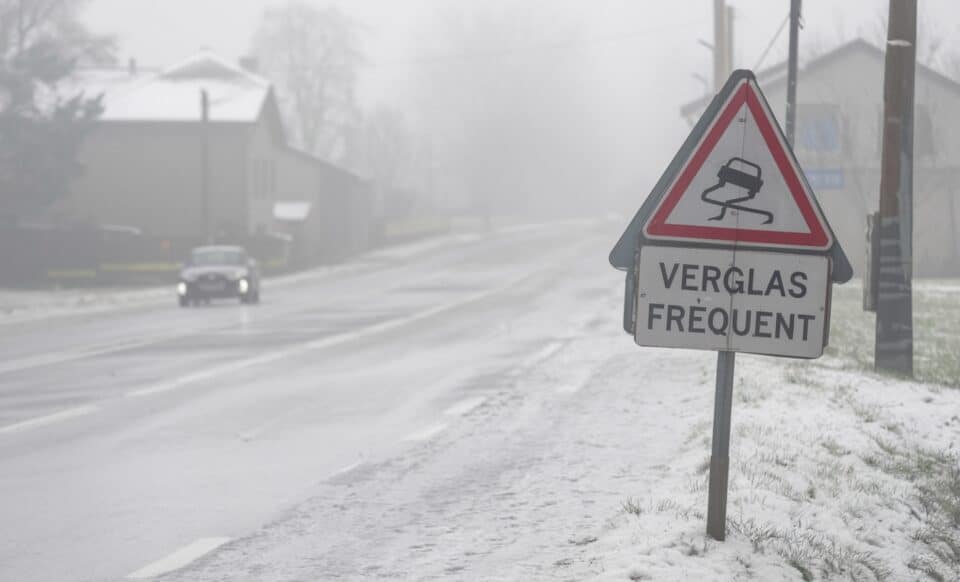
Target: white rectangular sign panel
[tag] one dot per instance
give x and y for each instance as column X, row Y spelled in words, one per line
column 733, row 300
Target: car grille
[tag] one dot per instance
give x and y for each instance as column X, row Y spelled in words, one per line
column 212, row 283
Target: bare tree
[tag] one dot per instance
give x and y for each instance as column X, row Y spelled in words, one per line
column 510, row 106
column 312, row 56
column 387, row 146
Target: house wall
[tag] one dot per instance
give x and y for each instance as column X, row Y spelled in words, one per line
column 149, row 176
column 854, row 83
column 268, row 178
column 300, row 181
column 347, row 205
column 340, row 219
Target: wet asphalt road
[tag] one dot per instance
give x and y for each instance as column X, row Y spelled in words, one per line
column 127, row 435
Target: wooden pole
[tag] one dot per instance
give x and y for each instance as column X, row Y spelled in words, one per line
column 894, row 324
column 791, row 123
column 720, row 71
column 205, row 166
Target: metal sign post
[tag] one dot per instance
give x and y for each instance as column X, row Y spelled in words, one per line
column 720, row 457
column 731, row 252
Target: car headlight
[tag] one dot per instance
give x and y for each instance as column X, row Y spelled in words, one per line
column 181, row 288
column 243, row 286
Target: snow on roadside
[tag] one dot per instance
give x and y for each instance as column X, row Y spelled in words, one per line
column 833, row 476
column 836, row 474
column 17, row 306
column 590, row 462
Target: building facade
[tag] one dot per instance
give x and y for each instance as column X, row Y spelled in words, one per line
column 838, row 144
column 155, row 163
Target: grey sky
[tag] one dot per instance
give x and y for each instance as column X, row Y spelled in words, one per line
column 643, row 54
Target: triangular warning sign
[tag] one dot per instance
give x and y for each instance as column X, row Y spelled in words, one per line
column 740, row 184
column 734, row 183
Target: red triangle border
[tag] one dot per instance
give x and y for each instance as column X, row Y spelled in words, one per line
column 657, row 227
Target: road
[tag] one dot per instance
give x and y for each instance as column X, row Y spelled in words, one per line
column 132, row 441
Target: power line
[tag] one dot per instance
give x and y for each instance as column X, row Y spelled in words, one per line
column 773, row 41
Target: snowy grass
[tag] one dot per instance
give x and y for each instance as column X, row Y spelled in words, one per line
column 936, row 324
column 837, row 472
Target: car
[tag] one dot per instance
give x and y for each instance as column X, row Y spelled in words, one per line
column 218, row 272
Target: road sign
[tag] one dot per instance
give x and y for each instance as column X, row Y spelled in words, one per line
column 826, row 178
column 735, row 183
column 739, row 301
column 731, row 252
column 740, row 185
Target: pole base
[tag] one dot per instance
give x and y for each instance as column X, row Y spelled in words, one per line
column 717, row 500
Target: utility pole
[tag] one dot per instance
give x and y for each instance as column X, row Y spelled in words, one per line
column 726, row 361
column 792, row 71
column 205, row 165
column 728, row 43
column 721, row 69
column 894, row 331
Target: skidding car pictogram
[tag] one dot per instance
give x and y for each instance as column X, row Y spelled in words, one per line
column 742, row 173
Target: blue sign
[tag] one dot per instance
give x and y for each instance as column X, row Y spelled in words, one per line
column 825, row 178
column 819, row 134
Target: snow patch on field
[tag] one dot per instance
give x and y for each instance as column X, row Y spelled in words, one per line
column 833, row 476
column 837, row 473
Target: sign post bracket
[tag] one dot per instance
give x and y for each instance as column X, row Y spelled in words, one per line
column 720, row 456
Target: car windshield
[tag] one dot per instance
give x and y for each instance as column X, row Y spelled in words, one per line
column 209, row 257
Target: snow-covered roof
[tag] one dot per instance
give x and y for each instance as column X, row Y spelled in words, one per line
column 291, row 210
column 777, row 74
column 173, row 95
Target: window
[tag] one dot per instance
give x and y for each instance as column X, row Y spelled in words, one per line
column 255, row 179
column 271, row 177
column 263, row 179
column 819, row 128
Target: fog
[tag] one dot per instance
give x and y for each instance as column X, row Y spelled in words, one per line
column 588, row 91
column 359, row 290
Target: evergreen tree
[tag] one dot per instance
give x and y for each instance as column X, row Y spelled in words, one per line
column 41, row 129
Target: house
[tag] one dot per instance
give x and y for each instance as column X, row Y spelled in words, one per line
column 838, row 144
column 153, row 164
column 329, row 222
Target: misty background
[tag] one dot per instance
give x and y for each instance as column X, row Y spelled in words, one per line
column 546, row 107
column 436, row 382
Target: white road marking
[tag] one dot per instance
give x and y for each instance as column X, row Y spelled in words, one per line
column 179, row 558
column 75, row 354
column 321, row 343
column 49, row 419
column 464, row 406
column 255, row 432
column 427, row 433
column 347, row 469
column 545, row 353
column 215, row 371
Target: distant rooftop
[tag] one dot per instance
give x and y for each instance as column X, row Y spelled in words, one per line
column 777, row 74
column 173, row 94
